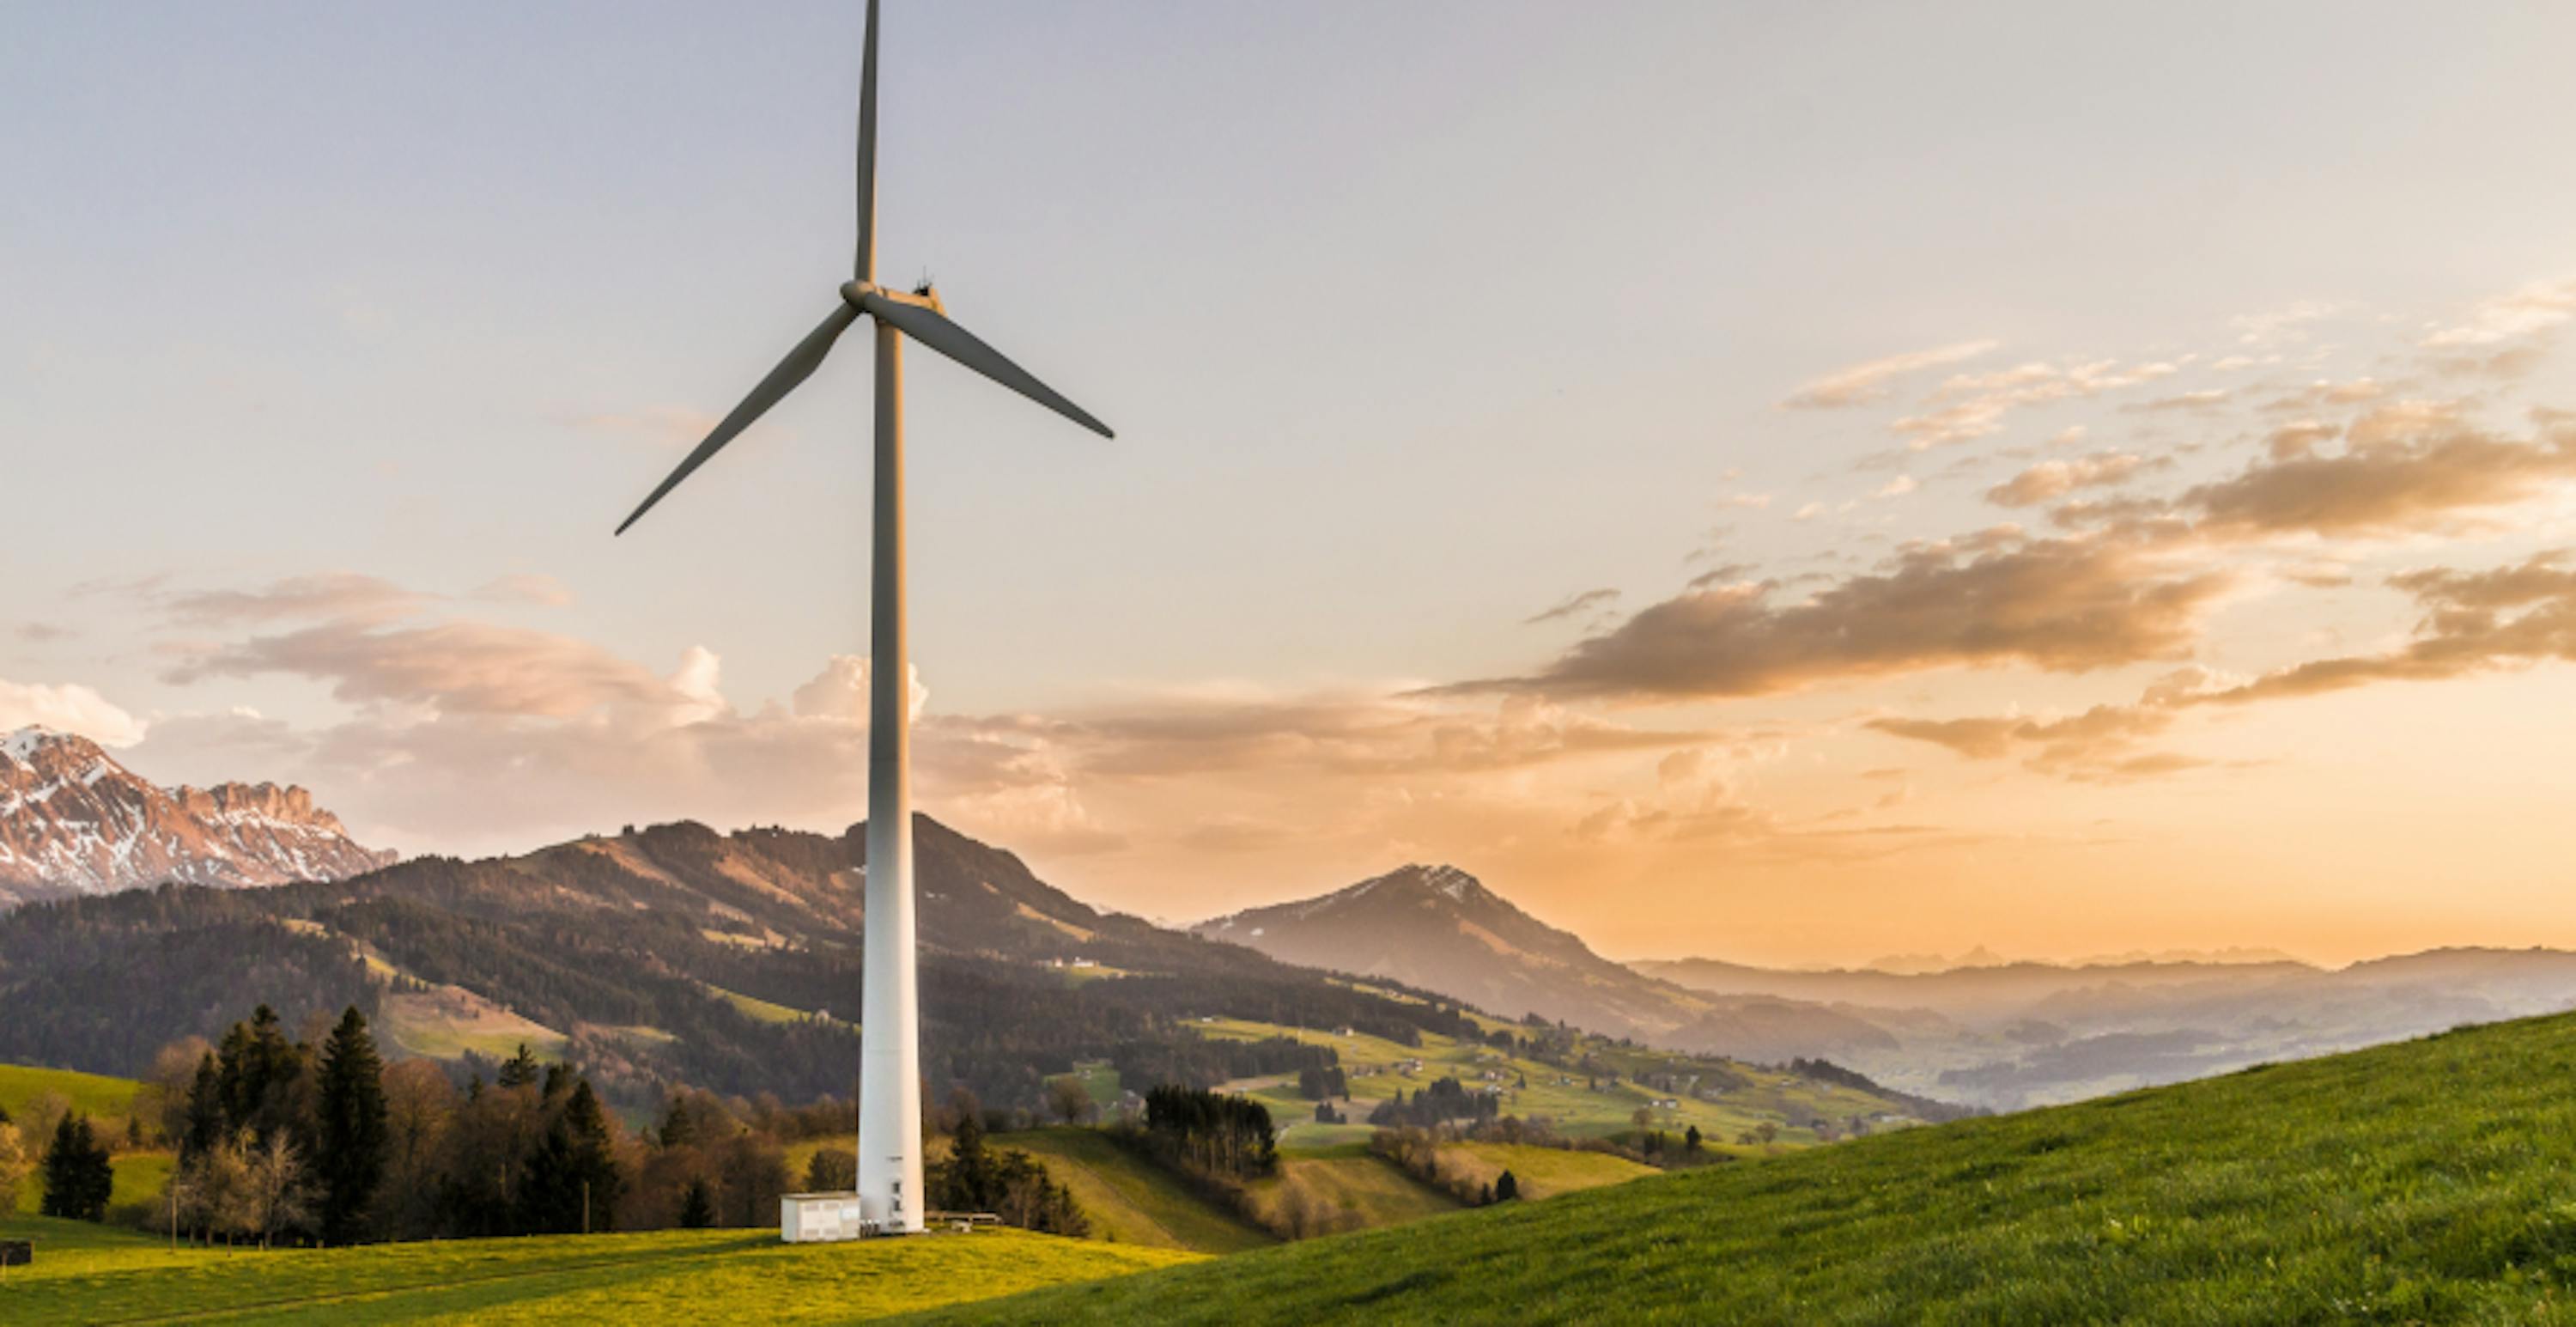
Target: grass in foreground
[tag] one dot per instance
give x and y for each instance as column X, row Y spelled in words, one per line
column 2427, row 1181
column 680, row 1277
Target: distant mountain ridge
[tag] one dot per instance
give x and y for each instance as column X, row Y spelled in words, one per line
column 2027, row 1033
column 74, row 821
column 1439, row 928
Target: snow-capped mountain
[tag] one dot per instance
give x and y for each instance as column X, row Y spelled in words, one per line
column 1440, row 929
column 74, row 821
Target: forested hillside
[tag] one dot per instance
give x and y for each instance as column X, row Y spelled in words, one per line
column 672, row 954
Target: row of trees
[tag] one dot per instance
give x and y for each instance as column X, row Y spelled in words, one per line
column 1317, row 1082
column 1417, row 1152
column 1218, row 1134
column 975, row 1178
column 1445, row 1100
column 281, row 1139
column 77, row 1172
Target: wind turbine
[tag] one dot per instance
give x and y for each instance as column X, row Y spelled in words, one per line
column 889, row 1012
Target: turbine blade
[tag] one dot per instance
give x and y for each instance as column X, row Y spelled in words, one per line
column 796, row 368
column 867, row 257
column 935, row 330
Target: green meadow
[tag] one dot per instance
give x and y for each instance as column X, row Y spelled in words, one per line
column 1579, row 1106
column 85, row 1274
column 2430, row 1181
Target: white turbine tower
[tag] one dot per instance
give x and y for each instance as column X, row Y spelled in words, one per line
column 889, row 1012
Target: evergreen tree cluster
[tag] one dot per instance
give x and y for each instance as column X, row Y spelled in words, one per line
column 1446, row 1100
column 977, row 1178
column 1217, row 1134
column 1316, row 1082
column 79, row 1175
column 281, row 1139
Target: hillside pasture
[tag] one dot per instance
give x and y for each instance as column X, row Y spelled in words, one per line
column 88, row 1274
column 2428, row 1181
column 1131, row 1201
column 1577, row 1105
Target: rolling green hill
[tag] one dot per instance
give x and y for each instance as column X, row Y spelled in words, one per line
column 94, row 1094
column 93, row 1274
column 2431, row 1180
column 1131, row 1201
column 1738, row 1097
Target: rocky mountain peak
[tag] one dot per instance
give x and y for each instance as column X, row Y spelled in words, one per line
column 73, row 820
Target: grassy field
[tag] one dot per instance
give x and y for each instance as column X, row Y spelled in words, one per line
column 92, row 1274
column 1364, row 1191
column 1100, row 1079
column 95, row 1094
column 1129, row 1201
column 2422, row 1182
column 757, row 1008
column 1378, row 1068
column 445, row 1022
column 1544, row 1172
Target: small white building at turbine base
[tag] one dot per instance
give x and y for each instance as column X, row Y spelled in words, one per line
column 808, row 1218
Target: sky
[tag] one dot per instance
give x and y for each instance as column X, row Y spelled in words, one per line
column 1785, row 483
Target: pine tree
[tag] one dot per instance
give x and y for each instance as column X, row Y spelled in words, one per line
column 354, row 1137
column 1507, row 1188
column 678, row 1129
column 697, row 1207
column 572, row 1181
column 520, row 1070
column 204, row 1126
column 78, row 1174
column 1690, row 1139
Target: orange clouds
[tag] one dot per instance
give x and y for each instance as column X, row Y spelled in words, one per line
column 2055, row 479
column 2404, row 468
column 1861, row 384
column 2473, row 622
column 2060, row 604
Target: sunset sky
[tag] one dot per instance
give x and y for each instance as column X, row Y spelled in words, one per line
column 1784, row 483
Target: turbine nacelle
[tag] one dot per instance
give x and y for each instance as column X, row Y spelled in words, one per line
column 856, row 294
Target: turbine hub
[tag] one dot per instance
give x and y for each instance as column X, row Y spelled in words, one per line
column 852, row 292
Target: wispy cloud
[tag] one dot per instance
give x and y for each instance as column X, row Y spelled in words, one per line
column 1860, row 384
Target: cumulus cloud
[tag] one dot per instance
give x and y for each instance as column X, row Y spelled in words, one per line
column 840, row 691
column 464, row 667
column 1179, row 736
column 69, row 707
column 2056, row 479
column 2405, row 467
column 1972, row 406
column 2474, row 621
column 2063, row 605
column 2101, row 744
column 2505, row 335
column 1861, row 384
column 342, row 595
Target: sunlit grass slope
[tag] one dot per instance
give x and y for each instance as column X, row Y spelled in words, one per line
column 1573, row 1107
column 676, row 1277
column 93, row 1094
column 2426, row 1181
column 1130, row 1201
